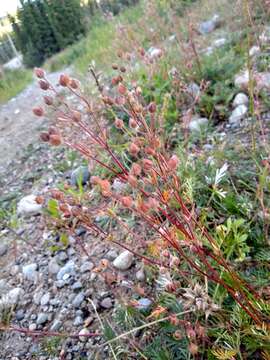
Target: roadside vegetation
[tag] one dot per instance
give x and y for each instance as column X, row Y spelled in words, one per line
column 178, row 179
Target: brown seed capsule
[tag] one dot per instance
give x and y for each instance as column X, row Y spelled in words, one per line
column 44, row 85
column 123, row 69
column 122, row 89
column 193, row 348
column 119, row 123
column 38, row 111
column 152, row 107
column 44, row 136
column 134, row 149
column 53, row 130
column 147, row 164
column 48, row 100
column 126, row 201
column 64, row 80
column 40, row 200
column 40, row 73
column 74, row 84
column 55, row 140
column 107, row 100
column 132, row 123
column 114, row 66
column 76, row 116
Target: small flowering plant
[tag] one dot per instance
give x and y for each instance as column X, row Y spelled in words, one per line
column 138, row 159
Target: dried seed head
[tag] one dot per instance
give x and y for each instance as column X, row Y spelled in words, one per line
column 142, row 51
column 120, row 100
column 149, row 151
column 134, row 149
column 119, row 123
column 38, row 111
column 132, row 180
column 76, row 116
column 115, row 81
column 108, row 100
column 123, row 69
column 95, row 180
column 126, row 201
column 57, row 194
column 173, row 162
column 55, row 140
column 44, row 85
column 40, row 73
column 114, row 66
column 122, row 89
column 48, row 100
column 152, row 107
column 193, row 348
column 53, row 130
column 74, row 84
column 136, row 169
column 105, row 187
column 40, row 200
column 132, row 123
column 44, row 136
column 64, row 80
column 147, row 164
column 177, row 334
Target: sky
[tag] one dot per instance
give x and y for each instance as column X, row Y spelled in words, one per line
column 8, row 6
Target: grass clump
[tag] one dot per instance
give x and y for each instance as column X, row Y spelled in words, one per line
column 13, row 82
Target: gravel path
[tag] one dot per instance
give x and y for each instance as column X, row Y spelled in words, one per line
column 18, row 126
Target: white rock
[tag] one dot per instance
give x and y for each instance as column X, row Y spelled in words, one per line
column 242, row 80
column 240, row 99
column 14, row 295
column 209, row 25
column 29, row 272
column 123, row 261
column 193, row 90
column 265, row 36
column 28, row 206
column 254, row 50
column 197, row 124
column 219, row 42
column 154, row 52
column 83, row 335
column 238, row 114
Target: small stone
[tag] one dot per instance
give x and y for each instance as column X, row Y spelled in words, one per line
column 240, row 99
column 124, row 260
column 37, row 297
column 28, row 206
column 53, row 267
column 242, row 80
column 77, row 286
column 32, row 327
column 193, row 90
column 69, row 268
column 219, row 42
column 143, row 304
column 84, row 335
column 81, row 175
column 42, row 318
column 106, row 303
column 3, row 249
column 140, row 275
column 77, row 301
column 29, row 272
column 198, row 124
column 62, row 256
column 45, row 299
column 15, row 295
column 210, row 25
column 86, row 266
column 255, row 50
column 238, row 114
column 78, row 321
column 60, row 284
column 20, row 315
column 111, row 255
column 56, row 325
